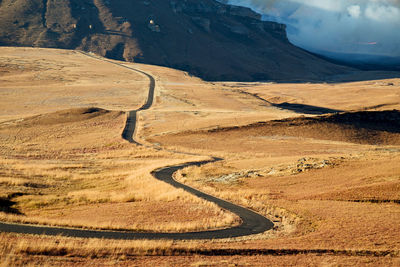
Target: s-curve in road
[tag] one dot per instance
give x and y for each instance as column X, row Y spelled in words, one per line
column 251, row 222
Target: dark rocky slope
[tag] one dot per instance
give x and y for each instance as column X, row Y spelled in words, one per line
column 206, row 38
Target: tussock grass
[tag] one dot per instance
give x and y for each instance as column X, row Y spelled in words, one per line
column 100, row 248
column 62, row 246
column 319, row 206
column 93, row 166
column 82, row 164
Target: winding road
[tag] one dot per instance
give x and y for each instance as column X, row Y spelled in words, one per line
column 251, row 222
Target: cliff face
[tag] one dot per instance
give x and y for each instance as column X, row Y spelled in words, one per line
column 204, row 37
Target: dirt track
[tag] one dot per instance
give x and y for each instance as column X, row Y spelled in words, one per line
column 252, row 222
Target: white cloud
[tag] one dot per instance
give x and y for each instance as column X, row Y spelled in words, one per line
column 383, row 13
column 342, row 26
column 332, row 5
column 354, row 11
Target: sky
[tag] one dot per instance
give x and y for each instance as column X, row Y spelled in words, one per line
column 364, row 28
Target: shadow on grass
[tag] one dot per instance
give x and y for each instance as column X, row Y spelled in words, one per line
column 306, row 109
column 379, row 121
column 387, row 121
column 6, row 204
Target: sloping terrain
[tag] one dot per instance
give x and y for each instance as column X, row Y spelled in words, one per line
column 72, row 168
column 206, row 38
column 38, row 81
column 64, row 116
column 65, row 163
column 368, row 127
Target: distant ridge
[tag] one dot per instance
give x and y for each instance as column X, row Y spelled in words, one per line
column 204, row 37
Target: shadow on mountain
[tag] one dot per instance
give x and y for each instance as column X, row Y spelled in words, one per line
column 116, row 33
column 205, row 38
column 117, row 52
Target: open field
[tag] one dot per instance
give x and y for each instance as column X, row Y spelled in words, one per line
column 79, row 172
column 41, row 81
column 47, row 251
column 330, row 183
column 72, row 168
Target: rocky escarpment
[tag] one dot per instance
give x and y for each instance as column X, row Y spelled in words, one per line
column 204, row 37
column 227, row 10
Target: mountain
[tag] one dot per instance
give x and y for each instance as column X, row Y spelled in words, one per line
column 363, row 61
column 207, row 38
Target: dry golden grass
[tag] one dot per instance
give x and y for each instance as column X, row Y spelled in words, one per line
column 198, row 260
column 320, row 203
column 37, row 81
column 352, row 96
column 314, row 208
column 95, row 178
column 61, row 251
column 307, row 179
column 13, row 245
column 63, row 165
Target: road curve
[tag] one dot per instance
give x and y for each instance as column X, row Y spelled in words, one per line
column 251, row 222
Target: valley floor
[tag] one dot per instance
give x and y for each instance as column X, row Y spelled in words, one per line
column 319, row 160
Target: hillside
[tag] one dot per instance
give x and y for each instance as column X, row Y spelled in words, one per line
column 206, row 38
column 320, row 160
column 368, row 127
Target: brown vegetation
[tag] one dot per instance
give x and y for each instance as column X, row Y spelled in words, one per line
column 368, row 127
column 93, row 178
column 46, row 251
column 63, row 168
column 40, row 81
column 330, row 183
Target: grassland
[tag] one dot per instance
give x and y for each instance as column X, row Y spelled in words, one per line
column 45, row 251
column 331, row 185
column 72, row 168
